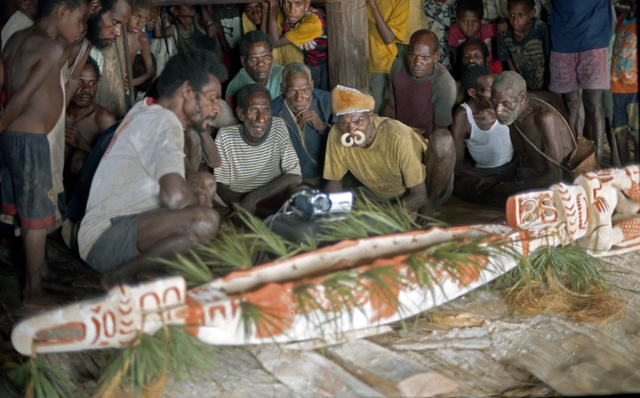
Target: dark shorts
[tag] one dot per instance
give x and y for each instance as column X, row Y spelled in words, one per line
column 625, row 112
column 117, row 245
column 27, row 189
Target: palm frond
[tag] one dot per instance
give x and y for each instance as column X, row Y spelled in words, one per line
column 43, row 379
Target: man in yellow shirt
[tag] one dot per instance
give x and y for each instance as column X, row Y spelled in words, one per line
column 387, row 157
column 387, row 26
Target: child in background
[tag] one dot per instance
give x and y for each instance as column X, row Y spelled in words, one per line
column 306, row 27
column 138, row 41
column 469, row 25
column 441, row 16
column 526, row 47
column 624, row 84
column 33, row 59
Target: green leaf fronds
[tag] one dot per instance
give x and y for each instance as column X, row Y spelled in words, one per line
column 48, row 380
column 229, row 251
column 570, row 266
column 260, row 320
column 192, row 268
column 185, row 351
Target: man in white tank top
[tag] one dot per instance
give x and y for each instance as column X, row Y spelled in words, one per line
column 486, row 141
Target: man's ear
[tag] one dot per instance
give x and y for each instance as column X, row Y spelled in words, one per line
column 94, row 7
column 472, row 92
column 187, row 89
column 240, row 114
column 522, row 96
column 282, row 88
column 242, row 61
column 532, row 13
column 61, row 11
column 437, row 55
column 308, row 4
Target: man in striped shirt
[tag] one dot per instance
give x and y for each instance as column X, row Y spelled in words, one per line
column 258, row 161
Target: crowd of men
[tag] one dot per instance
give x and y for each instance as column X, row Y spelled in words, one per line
column 235, row 112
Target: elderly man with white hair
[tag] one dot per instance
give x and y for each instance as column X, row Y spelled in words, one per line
column 307, row 113
column 389, row 159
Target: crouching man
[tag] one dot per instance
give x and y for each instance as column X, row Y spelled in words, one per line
column 259, row 166
column 140, row 205
column 387, row 157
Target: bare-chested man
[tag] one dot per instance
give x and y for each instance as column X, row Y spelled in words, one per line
column 541, row 124
column 33, row 59
column 487, row 142
column 85, row 121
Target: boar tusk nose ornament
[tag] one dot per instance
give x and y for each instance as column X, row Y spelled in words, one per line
column 348, row 141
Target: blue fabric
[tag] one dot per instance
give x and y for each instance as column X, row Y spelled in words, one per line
column 316, row 141
column 580, row 25
column 77, row 205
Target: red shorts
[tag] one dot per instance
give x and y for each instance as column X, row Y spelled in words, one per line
column 571, row 71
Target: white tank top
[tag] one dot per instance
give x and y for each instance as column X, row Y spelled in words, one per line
column 488, row 148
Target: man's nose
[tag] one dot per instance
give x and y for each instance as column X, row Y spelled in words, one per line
column 117, row 30
column 215, row 108
column 299, row 96
column 261, row 117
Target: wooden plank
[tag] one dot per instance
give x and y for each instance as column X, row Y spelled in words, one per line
column 237, row 374
column 309, row 374
column 389, row 372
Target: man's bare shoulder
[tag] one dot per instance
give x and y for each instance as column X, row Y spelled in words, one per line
column 103, row 117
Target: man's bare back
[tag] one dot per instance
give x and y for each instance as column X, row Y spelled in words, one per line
column 33, row 60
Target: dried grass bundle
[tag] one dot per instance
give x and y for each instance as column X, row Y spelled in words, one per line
column 565, row 281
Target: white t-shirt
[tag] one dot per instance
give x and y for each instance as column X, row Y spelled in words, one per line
column 246, row 166
column 148, row 144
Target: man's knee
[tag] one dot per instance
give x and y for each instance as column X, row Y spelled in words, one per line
column 592, row 100
column 572, row 99
column 441, row 143
column 204, row 223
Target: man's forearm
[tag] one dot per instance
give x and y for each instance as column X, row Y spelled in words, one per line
column 386, row 33
column 274, row 187
column 227, row 195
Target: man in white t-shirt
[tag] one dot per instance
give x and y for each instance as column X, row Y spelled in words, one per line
column 140, row 205
column 476, row 128
column 258, row 160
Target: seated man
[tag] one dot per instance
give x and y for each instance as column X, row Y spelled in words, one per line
column 487, row 141
column 386, row 156
column 472, row 52
column 422, row 91
column 307, row 113
column 140, row 206
column 256, row 56
column 85, row 121
column 538, row 133
column 258, row 161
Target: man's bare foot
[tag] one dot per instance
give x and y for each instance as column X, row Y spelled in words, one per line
column 43, row 301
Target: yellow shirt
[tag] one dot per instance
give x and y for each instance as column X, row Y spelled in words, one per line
column 417, row 19
column 282, row 55
column 391, row 165
column 309, row 28
column 396, row 14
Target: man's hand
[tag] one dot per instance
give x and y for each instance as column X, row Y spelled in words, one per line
column 484, row 184
column 249, row 203
column 202, row 188
column 502, row 26
column 311, row 117
column 71, row 135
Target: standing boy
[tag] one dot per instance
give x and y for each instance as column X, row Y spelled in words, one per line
column 138, row 41
column 33, row 59
column 526, row 45
column 306, row 27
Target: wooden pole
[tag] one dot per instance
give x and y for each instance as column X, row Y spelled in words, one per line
column 348, row 43
column 128, row 61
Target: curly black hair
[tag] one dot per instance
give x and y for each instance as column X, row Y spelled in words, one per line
column 194, row 67
column 530, row 3
column 470, row 6
column 92, row 62
column 241, row 97
column 470, row 76
column 46, row 7
column 255, row 36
